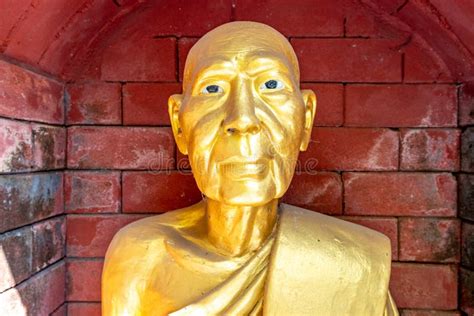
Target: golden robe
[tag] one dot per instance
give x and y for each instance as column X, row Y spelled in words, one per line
column 312, row 264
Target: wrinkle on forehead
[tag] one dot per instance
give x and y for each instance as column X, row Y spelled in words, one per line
column 240, row 40
column 248, row 61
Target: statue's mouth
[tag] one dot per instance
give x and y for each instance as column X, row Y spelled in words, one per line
column 240, row 168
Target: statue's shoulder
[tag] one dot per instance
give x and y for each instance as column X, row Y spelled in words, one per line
column 157, row 227
column 328, row 260
column 146, row 236
column 135, row 253
column 348, row 240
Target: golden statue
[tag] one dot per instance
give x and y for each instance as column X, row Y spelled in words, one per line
column 242, row 120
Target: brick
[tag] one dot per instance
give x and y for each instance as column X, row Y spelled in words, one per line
column 40, row 295
column 458, row 18
column 466, row 285
column 429, row 239
column 15, row 258
column 359, row 22
column 46, row 17
column 299, row 18
column 16, row 146
column 120, row 148
column 427, row 20
column 386, row 226
column 48, row 242
column 158, row 192
column 61, row 311
column 89, row 236
column 147, row 104
column 80, row 309
column 49, row 147
column 390, row 6
column 49, row 288
column 25, row 147
column 140, row 59
column 181, row 18
column 83, row 279
column 29, row 96
column 430, row 149
column 92, row 192
column 355, row 149
column 63, row 54
column 466, row 196
column 408, row 312
column 28, row 198
column 320, row 192
column 466, row 104
column 424, row 286
column 468, row 245
column 184, row 46
column 362, row 22
column 467, row 150
column 401, row 105
column 347, row 60
column 129, row 2
column 11, row 302
column 94, row 103
column 422, row 64
column 9, row 15
column 182, row 161
column 400, row 194
column 329, row 103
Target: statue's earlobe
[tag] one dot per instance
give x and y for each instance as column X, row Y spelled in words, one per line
column 174, row 105
column 309, row 99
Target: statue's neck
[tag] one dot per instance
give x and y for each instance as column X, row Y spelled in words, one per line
column 235, row 230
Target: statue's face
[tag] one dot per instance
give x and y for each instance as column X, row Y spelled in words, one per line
column 242, row 118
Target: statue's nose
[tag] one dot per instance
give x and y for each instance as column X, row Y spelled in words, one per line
column 241, row 117
column 242, row 124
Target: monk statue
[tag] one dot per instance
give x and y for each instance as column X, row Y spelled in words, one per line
column 242, row 120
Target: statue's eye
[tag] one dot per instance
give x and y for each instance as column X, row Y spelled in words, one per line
column 213, row 88
column 272, row 85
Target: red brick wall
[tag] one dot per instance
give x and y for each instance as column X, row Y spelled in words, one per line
column 466, row 198
column 385, row 143
column 385, row 152
column 33, row 224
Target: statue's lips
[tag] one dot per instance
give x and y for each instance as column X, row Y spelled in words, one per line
column 241, row 169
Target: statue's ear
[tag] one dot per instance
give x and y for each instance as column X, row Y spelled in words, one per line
column 309, row 99
column 174, row 104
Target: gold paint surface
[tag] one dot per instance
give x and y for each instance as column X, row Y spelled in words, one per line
column 242, row 120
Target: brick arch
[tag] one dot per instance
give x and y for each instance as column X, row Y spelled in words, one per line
column 442, row 25
column 66, row 30
column 393, row 81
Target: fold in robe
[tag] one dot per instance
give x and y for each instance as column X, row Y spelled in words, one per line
column 240, row 294
column 313, row 265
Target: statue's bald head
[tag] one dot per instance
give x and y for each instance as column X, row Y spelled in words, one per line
column 237, row 39
column 242, row 117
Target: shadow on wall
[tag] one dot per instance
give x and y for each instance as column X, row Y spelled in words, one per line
column 32, row 220
column 32, row 245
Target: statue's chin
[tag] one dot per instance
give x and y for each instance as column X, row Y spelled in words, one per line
column 254, row 190
column 248, row 192
column 244, row 200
